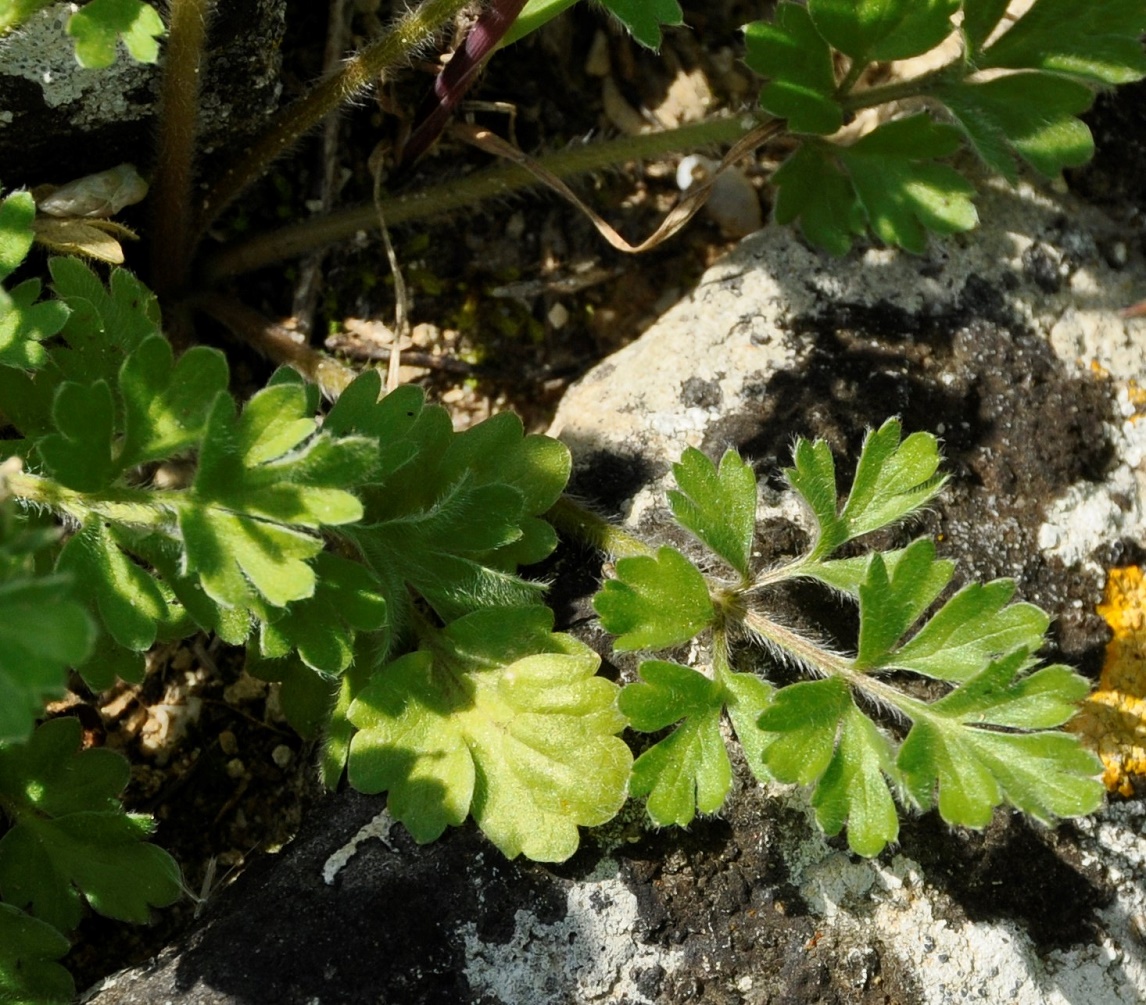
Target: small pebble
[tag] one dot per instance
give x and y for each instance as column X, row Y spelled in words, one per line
column 282, row 755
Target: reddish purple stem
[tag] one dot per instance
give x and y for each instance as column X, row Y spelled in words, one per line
column 459, row 73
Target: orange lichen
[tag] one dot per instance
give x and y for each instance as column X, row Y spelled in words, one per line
column 1112, row 721
column 1136, row 395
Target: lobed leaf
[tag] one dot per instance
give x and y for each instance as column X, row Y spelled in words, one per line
column 450, row 515
column 644, row 18
column 1031, row 115
column 893, row 599
column 718, row 506
column 798, row 62
column 43, row 631
column 261, row 477
column 98, row 25
column 904, row 194
column 70, row 838
column 25, row 323
column 17, row 211
column 892, row 480
column 28, row 951
column 974, row 626
column 805, row 720
column 104, row 323
column 79, row 454
column 1097, row 42
column 853, row 790
column 126, row 596
column 166, row 402
column 322, row 628
column 868, row 30
column 499, row 719
column 654, row 601
column 811, row 188
column 689, row 769
column 1044, row 774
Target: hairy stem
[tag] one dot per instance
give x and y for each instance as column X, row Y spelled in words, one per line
column 915, row 87
column 412, row 31
column 171, row 243
column 134, row 507
column 575, row 520
column 463, row 193
column 823, row 661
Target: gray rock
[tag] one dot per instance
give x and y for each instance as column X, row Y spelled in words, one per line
column 54, row 112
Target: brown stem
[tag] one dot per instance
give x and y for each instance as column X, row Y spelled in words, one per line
column 412, row 31
column 276, row 342
column 178, row 128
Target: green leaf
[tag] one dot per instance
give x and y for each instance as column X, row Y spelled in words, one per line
column 104, row 323
column 854, row 790
column 974, row 626
column 1044, row 774
column 500, row 719
column 689, row 769
column 805, row 719
column 1029, row 114
column 24, row 324
column 97, row 26
column 443, row 551
column 868, row 30
column 534, row 15
column 980, row 18
column 400, row 423
column 798, row 62
column 129, row 600
column 28, row 949
column 79, row 455
column 43, row 631
column 745, row 697
column 654, row 601
column 70, row 837
column 903, row 192
column 887, row 180
column 166, row 403
column 644, row 17
column 261, row 477
column 813, row 476
column 719, row 507
column 347, row 598
column 305, row 697
column 1097, row 42
column 893, row 479
column 892, row 600
column 450, row 515
column 17, row 212
column 811, row 188
column 848, row 574
column 1002, row 694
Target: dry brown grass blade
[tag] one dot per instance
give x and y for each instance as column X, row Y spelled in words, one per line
column 677, row 217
